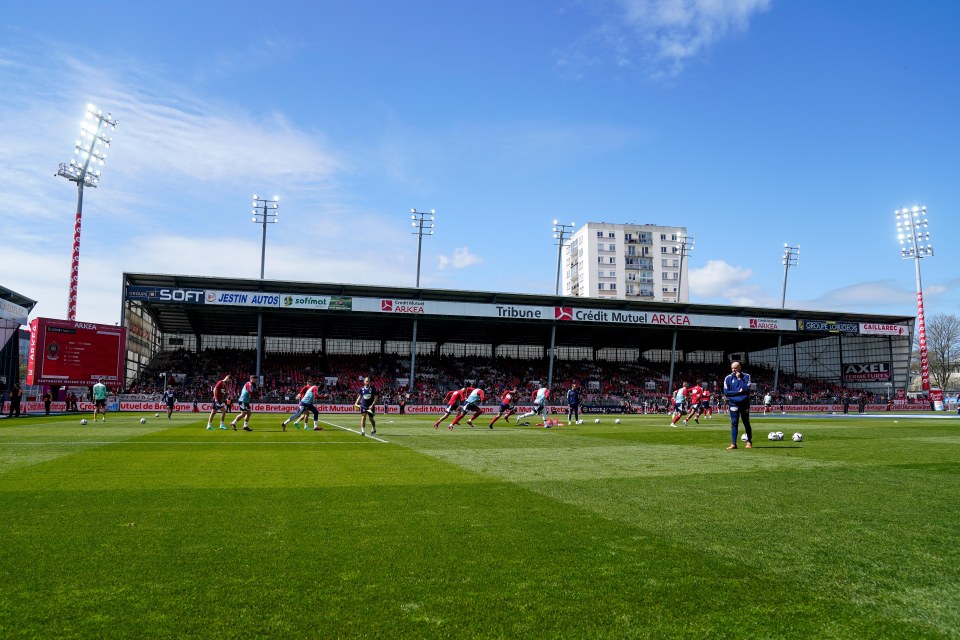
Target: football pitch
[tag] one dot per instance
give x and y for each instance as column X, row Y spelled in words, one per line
column 638, row 530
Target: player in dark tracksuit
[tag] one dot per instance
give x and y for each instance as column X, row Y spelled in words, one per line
column 367, row 404
column 736, row 387
column 573, row 403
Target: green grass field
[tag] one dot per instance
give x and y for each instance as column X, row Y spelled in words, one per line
column 166, row 530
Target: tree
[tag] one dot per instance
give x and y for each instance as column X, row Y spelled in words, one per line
column 943, row 348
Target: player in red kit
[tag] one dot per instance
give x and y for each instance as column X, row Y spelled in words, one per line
column 696, row 396
column 705, row 408
column 219, row 396
column 453, row 400
column 506, row 406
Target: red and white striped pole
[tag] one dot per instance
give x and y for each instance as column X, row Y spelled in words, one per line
column 75, row 260
column 922, row 339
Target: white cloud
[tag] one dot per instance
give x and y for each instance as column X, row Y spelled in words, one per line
column 461, row 258
column 676, row 30
column 718, row 278
column 867, row 296
column 662, row 35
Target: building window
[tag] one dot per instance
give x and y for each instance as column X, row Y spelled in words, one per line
column 599, row 259
column 613, row 286
column 601, row 286
column 613, row 274
column 613, row 260
column 663, row 237
column 599, row 234
column 632, row 276
column 611, row 235
column 612, row 247
column 663, row 249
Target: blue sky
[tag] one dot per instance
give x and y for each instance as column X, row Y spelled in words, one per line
column 751, row 122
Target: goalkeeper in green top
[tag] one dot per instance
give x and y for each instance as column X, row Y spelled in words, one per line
column 100, row 401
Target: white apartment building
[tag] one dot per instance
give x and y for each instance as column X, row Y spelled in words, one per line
column 626, row 261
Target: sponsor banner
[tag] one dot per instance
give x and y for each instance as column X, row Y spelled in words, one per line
column 415, row 307
column 13, row 312
column 303, row 301
column 165, row 294
column 569, row 314
column 341, row 303
column 866, row 371
column 871, row 329
column 318, row 303
column 828, row 326
column 242, row 298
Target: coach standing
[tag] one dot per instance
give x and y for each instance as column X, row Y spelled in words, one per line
column 736, row 387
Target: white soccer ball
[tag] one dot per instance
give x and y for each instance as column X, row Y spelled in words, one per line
column 143, row 421
column 83, row 421
column 156, row 415
column 579, row 421
column 596, row 421
column 798, row 437
column 617, row 421
column 744, row 437
column 779, row 435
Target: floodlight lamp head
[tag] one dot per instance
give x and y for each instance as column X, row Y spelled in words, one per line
column 255, row 197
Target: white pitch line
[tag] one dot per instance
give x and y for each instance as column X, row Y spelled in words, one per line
column 342, row 428
column 159, row 442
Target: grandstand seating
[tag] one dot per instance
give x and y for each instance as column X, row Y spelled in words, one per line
column 605, row 383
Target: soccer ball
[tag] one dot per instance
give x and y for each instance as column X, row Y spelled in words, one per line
column 596, row 421
column 744, row 437
column 798, row 437
column 579, row 421
column 617, row 421
column 779, row 435
column 156, row 415
column 143, row 421
column 83, row 421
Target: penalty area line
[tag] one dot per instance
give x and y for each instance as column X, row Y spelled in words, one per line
column 342, row 428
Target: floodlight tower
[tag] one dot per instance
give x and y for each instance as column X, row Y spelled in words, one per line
column 90, row 153
column 912, row 232
column 265, row 211
column 684, row 248
column 791, row 258
column 561, row 234
column 423, row 224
